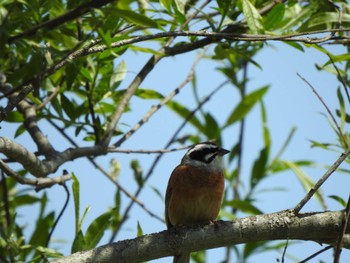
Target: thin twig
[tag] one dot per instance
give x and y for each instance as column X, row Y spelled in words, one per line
column 340, row 76
column 313, row 190
column 284, row 251
column 316, row 254
column 141, row 151
column 325, row 105
column 61, row 212
column 342, row 233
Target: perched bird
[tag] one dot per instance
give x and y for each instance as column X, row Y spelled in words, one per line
column 195, row 188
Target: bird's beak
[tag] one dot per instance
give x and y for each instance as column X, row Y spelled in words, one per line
column 223, row 151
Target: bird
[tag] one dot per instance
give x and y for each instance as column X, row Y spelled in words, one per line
column 195, row 189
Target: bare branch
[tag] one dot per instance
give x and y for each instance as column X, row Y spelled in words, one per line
column 141, row 151
column 346, row 89
column 316, row 254
column 41, row 168
column 328, row 110
column 319, row 227
column 30, row 120
column 39, row 183
column 319, row 183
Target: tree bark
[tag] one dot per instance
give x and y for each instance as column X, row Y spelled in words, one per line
column 321, row 227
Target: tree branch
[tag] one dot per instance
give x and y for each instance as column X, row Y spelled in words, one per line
column 68, row 16
column 313, row 190
column 319, row 227
column 28, row 112
column 39, row 183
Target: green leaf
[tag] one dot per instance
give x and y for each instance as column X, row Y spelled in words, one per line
column 342, row 110
column 180, row 6
column 305, row 181
column 148, row 94
column 254, row 20
column 324, row 18
column 136, row 18
column 14, row 116
column 139, row 229
column 339, row 58
column 259, row 167
column 97, row 228
column 338, row 199
column 166, row 4
column 76, row 199
column 274, row 17
column 86, row 211
column 135, row 166
column 244, row 206
column 246, row 105
column 49, row 252
column 79, row 243
column 212, row 129
column 24, row 200
column 117, row 76
column 68, row 107
column 186, row 113
column 20, row 130
column 266, row 132
column 105, row 36
column 42, row 228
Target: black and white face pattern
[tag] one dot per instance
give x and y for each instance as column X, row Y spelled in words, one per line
column 205, row 155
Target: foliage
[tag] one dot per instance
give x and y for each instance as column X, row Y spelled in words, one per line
column 68, row 60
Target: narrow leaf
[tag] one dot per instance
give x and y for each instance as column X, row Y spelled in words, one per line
column 246, row 105
column 305, row 181
column 136, row 18
column 97, row 228
column 139, row 229
column 78, row 243
column 76, row 199
column 253, row 17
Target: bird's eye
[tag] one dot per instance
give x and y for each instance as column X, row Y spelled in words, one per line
column 204, row 154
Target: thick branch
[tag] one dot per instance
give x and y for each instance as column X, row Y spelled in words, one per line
column 41, row 168
column 318, row 227
column 30, row 121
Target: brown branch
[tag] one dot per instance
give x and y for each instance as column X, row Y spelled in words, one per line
column 319, row 227
column 142, row 151
column 327, row 109
column 319, row 183
column 41, row 168
column 39, row 183
column 68, row 16
column 28, row 112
